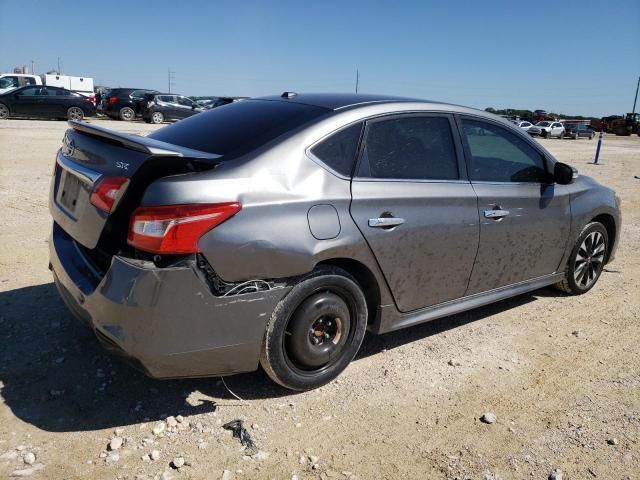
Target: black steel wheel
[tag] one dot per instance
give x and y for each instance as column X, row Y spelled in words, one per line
column 587, row 260
column 315, row 331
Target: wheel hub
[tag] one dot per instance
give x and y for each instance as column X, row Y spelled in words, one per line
column 318, row 331
column 324, row 330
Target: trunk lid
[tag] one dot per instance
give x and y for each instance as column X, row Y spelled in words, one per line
column 90, row 154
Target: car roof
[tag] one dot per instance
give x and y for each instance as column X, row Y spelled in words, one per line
column 337, row 101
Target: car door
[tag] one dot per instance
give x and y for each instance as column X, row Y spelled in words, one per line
column 169, row 107
column 27, row 102
column 52, row 102
column 556, row 129
column 185, row 107
column 524, row 219
column 415, row 208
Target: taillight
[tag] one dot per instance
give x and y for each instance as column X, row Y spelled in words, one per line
column 173, row 229
column 112, row 100
column 90, row 100
column 106, row 193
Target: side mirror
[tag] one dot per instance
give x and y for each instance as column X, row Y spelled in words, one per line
column 564, row 174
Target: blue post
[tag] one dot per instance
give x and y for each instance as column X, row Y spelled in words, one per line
column 595, row 162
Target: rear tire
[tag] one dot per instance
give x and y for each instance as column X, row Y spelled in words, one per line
column 127, row 114
column 75, row 113
column 315, row 331
column 586, row 261
column 4, row 111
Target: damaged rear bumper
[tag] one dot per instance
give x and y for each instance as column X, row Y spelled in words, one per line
column 164, row 320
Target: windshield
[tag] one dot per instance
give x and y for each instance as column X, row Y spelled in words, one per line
column 238, row 128
column 543, row 124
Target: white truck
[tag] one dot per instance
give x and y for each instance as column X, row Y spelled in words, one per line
column 83, row 85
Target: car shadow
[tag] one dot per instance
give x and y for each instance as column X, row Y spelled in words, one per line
column 55, row 376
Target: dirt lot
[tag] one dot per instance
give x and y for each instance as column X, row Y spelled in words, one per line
column 561, row 374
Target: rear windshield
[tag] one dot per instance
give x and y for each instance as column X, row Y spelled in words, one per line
column 238, row 128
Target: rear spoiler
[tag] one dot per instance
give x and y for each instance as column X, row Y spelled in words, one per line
column 141, row 144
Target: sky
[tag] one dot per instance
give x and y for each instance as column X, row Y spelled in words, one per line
column 575, row 57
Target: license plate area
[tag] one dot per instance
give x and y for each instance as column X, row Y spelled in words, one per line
column 69, row 191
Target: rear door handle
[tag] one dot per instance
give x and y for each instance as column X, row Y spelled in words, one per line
column 496, row 214
column 385, row 222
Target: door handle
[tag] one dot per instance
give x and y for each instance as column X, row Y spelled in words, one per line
column 496, row 214
column 385, row 222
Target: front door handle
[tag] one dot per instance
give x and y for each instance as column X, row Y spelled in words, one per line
column 385, row 222
column 496, row 214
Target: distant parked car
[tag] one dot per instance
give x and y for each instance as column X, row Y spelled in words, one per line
column 524, row 125
column 576, row 131
column 165, row 107
column 547, row 129
column 124, row 103
column 46, row 102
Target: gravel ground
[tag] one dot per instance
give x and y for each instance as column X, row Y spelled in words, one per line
column 541, row 385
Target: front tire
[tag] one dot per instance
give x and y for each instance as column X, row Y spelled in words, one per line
column 75, row 113
column 4, row 111
column 586, row 260
column 157, row 117
column 315, row 331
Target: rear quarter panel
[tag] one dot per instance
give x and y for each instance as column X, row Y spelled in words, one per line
column 271, row 236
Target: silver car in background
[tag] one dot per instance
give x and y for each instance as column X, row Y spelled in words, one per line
column 547, row 129
column 276, row 231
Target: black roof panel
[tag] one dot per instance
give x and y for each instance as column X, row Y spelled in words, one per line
column 335, row 101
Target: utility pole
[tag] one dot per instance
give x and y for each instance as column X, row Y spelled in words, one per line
column 171, row 76
column 33, row 70
column 635, row 99
column 58, row 65
column 357, row 79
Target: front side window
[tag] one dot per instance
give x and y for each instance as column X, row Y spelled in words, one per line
column 338, row 151
column 9, row 82
column 29, row 92
column 166, row 98
column 412, row 147
column 543, row 124
column 498, row 155
column 184, row 101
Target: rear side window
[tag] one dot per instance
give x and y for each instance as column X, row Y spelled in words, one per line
column 339, row 150
column 238, row 128
column 415, row 147
column 498, row 155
